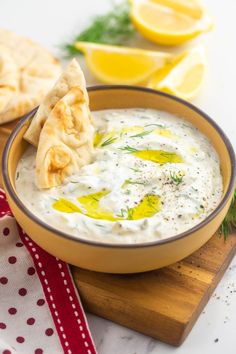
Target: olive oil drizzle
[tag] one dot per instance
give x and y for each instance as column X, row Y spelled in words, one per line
column 147, row 207
column 157, row 156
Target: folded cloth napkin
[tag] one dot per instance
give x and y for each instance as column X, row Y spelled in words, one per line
column 40, row 309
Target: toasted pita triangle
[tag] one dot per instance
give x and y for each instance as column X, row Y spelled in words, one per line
column 66, row 140
column 71, row 77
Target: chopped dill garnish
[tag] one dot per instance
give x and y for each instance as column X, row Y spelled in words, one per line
column 99, row 225
column 155, row 125
column 176, row 178
column 17, row 174
column 229, row 221
column 130, row 212
column 108, row 141
column 128, row 149
column 114, row 28
column 167, row 154
column 129, row 181
column 126, row 213
column 96, row 199
column 128, row 192
column 122, row 213
column 135, row 169
column 141, row 135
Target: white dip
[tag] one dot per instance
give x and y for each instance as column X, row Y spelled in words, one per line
column 131, row 195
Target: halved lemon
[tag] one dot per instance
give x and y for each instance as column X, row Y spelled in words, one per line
column 169, row 22
column 122, row 65
column 192, row 8
column 184, row 76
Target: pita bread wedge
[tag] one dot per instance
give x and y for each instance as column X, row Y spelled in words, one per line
column 33, row 71
column 66, row 140
column 71, row 77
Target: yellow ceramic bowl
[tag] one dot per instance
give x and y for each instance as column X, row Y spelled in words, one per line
column 123, row 258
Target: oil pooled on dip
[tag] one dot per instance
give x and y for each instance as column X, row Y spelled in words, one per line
column 153, row 176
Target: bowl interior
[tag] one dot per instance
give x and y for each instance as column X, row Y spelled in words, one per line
column 106, row 97
column 142, row 98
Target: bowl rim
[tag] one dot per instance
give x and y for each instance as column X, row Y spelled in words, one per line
column 94, row 243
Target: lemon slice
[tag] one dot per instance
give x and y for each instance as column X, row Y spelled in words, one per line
column 169, row 22
column 184, row 76
column 121, row 65
column 192, row 8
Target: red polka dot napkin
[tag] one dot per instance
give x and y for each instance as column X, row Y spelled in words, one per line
column 40, row 309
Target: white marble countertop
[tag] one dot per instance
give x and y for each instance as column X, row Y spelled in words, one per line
column 53, row 22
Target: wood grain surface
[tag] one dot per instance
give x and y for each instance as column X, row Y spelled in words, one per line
column 163, row 303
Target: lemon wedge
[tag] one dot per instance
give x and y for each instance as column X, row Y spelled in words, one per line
column 121, row 65
column 169, row 22
column 184, row 76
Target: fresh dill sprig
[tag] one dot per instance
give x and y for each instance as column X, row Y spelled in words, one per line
column 99, row 225
column 95, row 199
column 108, row 141
column 129, row 181
column 155, row 125
column 122, row 213
column 141, row 135
column 176, row 178
column 128, row 149
column 229, row 221
column 126, row 213
column 114, row 28
column 127, row 192
column 130, row 212
column 135, row 169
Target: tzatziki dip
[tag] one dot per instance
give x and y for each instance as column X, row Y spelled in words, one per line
column 153, row 176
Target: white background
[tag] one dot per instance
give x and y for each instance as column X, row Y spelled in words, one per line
column 53, row 22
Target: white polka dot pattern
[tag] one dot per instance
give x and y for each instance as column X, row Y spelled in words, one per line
column 32, row 313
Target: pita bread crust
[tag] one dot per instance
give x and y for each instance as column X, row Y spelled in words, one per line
column 8, row 77
column 71, row 77
column 35, row 71
column 66, row 140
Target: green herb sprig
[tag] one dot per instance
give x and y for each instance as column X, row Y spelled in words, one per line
column 136, row 170
column 128, row 149
column 129, row 181
column 126, row 213
column 141, row 135
column 108, row 141
column 122, row 213
column 155, row 125
column 229, row 221
column 114, row 28
column 176, row 178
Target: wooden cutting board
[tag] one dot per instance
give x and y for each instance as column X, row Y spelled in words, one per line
column 164, row 303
